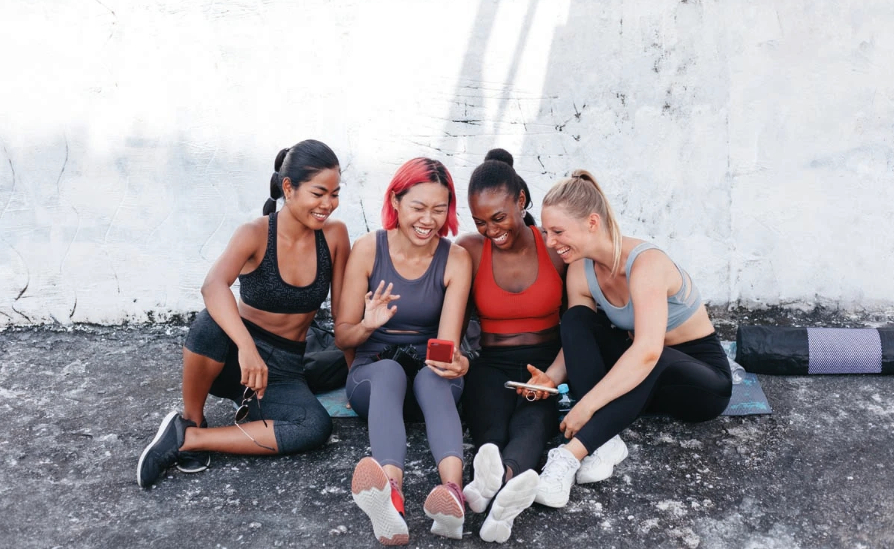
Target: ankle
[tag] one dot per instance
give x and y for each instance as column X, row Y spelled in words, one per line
column 198, row 419
column 190, row 443
column 458, row 492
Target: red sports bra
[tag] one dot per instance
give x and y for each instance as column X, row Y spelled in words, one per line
column 533, row 309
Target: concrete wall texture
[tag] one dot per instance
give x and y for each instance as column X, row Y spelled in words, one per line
column 751, row 139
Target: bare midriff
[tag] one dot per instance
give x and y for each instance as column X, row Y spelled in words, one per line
column 290, row 326
column 526, row 338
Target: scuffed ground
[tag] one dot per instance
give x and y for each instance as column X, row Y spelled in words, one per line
column 80, row 404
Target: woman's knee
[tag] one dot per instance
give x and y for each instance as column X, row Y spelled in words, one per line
column 304, row 432
column 389, row 373
column 577, row 317
column 207, row 338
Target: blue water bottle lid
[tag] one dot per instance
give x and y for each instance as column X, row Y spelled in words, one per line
column 563, row 388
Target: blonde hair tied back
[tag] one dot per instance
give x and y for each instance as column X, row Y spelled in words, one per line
column 580, row 195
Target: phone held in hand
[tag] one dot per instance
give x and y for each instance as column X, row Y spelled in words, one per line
column 439, row 350
column 516, row 385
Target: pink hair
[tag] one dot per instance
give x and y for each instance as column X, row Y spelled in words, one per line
column 413, row 172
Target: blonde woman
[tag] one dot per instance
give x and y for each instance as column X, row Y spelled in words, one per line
column 636, row 338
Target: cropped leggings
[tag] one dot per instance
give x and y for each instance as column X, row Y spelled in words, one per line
column 300, row 422
column 691, row 381
column 376, row 391
column 494, row 414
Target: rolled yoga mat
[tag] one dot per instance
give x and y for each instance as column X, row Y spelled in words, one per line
column 796, row 351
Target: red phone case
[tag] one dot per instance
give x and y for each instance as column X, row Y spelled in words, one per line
column 440, row 350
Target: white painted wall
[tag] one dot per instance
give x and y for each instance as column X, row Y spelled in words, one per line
column 750, row 138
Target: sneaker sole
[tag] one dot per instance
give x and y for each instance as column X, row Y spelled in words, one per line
column 196, row 469
column 587, row 479
column 515, row 497
column 164, row 425
column 371, row 491
column 447, row 513
column 488, row 467
column 552, row 502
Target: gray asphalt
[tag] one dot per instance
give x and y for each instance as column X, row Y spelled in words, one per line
column 81, row 403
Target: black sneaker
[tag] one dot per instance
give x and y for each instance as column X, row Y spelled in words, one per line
column 194, row 462
column 164, row 449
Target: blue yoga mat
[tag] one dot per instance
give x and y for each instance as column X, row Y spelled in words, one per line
column 748, row 397
column 336, row 403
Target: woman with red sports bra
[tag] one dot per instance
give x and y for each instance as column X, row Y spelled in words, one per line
column 517, row 291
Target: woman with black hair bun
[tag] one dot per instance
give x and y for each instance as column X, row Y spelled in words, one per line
column 517, row 291
column 251, row 351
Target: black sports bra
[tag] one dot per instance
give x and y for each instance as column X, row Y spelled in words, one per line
column 265, row 289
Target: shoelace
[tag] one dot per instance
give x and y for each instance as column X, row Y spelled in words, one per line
column 557, row 468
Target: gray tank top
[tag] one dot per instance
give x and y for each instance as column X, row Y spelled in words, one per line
column 420, row 303
column 680, row 306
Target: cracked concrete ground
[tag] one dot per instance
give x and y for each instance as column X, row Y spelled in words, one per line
column 80, row 404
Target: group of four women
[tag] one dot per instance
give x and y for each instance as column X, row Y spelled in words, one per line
column 634, row 337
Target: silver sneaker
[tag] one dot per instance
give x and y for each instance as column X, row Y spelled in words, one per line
column 557, row 478
column 600, row 464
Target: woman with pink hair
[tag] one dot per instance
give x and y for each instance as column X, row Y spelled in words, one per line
column 406, row 284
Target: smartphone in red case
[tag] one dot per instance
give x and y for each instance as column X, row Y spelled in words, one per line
column 440, row 350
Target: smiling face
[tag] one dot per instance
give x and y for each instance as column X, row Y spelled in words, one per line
column 422, row 211
column 498, row 216
column 567, row 235
column 313, row 201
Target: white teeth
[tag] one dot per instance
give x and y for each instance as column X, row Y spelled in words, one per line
column 502, row 238
column 321, row 217
column 422, row 232
column 563, row 251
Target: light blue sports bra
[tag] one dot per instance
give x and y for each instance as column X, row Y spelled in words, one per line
column 679, row 306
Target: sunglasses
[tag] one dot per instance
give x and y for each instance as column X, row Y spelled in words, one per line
column 242, row 413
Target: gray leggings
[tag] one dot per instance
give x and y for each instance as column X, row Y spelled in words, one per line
column 376, row 391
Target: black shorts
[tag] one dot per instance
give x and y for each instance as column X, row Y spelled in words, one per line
column 300, row 422
column 284, row 357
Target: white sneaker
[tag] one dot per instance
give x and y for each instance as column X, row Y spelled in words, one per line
column 488, row 467
column 515, row 497
column 557, row 478
column 600, row 464
column 375, row 495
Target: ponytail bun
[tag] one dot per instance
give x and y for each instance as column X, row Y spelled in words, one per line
column 275, row 186
column 496, row 172
column 280, row 157
column 501, row 155
column 275, row 183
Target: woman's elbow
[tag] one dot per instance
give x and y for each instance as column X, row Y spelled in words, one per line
column 649, row 356
column 206, row 288
column 341, row 341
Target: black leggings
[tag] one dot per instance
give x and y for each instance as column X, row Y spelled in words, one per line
column 494, row 414
column 691, row 381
